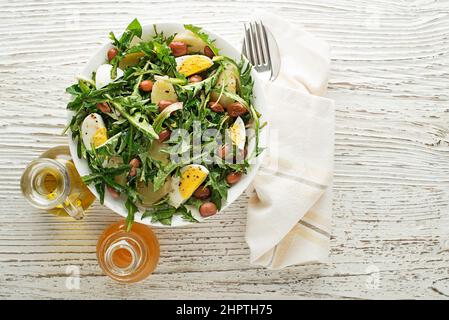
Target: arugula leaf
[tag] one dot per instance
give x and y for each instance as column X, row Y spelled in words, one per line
column 132, row 209
column 100, row 187
column 219, row 187
column 74, row 90
column 186, row 214
column 138, row 120
column 207, row 84
column 255, row 117
column 157, row 124
column 167, row 61
column 163, row 214
column 113, row 171
column 133, row 29
column 163, row 174
column 246, row 82
column 108, row 148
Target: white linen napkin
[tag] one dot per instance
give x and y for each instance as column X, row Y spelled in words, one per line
column 289, row 212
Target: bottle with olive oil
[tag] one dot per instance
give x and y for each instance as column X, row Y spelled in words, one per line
column 128, row 256
column 52, row 183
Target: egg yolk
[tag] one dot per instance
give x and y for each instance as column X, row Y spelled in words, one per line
column 190, row 180
column 194, row 64
column 100, row 137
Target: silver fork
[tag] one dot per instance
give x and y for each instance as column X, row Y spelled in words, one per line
column 256, row 48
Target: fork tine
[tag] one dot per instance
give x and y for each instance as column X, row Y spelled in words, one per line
column 252, row 45
column 244, row 53
column 260, row 44
column 247, row 44
column 256, row 38
column 264, row 44
column 267, row 50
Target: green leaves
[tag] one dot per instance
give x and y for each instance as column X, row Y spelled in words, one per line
column 157, row 124
column 163, row 174
column 132, row 209
column 133, row 29
column 219, row 187
column 108, row 148
column 138, row 120
column 246, row 82
column 164, row 213
column 207, row 84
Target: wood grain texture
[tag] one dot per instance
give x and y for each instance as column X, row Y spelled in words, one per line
column 390, row 81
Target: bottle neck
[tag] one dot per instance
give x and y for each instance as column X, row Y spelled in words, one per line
column 124, row 254
column 45, row 183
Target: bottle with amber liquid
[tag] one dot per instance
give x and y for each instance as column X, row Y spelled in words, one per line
column 128, row 256
column 52, row 183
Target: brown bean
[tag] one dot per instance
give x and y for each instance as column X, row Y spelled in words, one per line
column 133, row 172
column 233, row 177
column 135, row 163
column 114, row 193
column 146, row 85
column 164, row 104
column 112, row 53
column 216, row 107
column 164, row 135
column 208, row 209
column 104, row 107
column 178, row 48
column 195, row 78
column 208, row 52
column 224, row 151
column 202, row 193
column 236, row 109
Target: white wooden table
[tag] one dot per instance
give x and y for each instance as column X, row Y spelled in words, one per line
column 390, row 81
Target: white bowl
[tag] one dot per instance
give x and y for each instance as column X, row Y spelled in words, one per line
column 118, row 205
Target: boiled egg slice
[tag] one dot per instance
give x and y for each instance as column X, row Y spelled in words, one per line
column 237, row 133
column 103, row 75
column 192, row 64
column 192, row 176
column 93, row 131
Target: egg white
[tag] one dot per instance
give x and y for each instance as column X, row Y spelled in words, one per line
column 103, row 75
column 237, row 133
column 89, row 127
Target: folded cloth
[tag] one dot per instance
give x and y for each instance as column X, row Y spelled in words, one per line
column 290, row 206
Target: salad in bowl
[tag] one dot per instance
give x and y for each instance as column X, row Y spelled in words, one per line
column 165, row 124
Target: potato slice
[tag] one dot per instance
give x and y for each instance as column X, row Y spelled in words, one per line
column 156, row 154
column 229, row 77
column 163, row 90
column 130, row 60
column 194, row 43
column 150, row 197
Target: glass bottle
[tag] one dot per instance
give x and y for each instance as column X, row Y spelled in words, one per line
column 52, row 183
column 128, row 256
